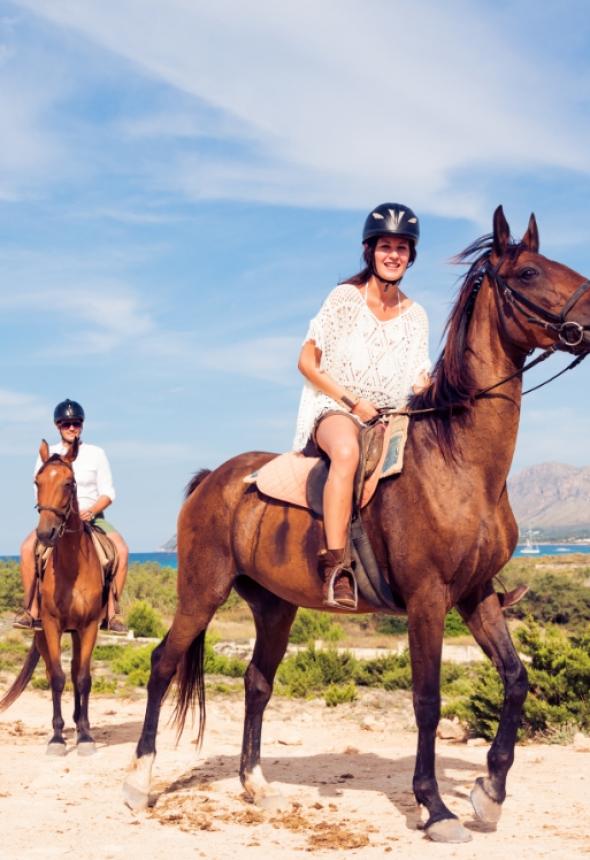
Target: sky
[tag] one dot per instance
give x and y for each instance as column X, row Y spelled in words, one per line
column 182, row 183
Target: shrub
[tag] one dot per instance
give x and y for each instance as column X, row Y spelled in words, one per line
column 337, row 694
column 395, row 625
column 310, row 625
column 144, row 620
column 310, row 672
column 454, row 625
column 11, row 590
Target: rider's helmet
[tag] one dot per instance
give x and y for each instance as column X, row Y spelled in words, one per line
column 392, row 219
column 68, row 410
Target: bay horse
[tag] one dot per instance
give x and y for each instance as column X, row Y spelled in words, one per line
column 441, row 530
column 73, row 598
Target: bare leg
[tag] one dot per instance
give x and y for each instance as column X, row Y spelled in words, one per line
column 426, row 615
column 273, row 618
column 120, row 574
column 338, row 436
column 488, row 626
column 27, row 572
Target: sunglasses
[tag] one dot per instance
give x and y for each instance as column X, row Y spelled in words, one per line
column 75, row 424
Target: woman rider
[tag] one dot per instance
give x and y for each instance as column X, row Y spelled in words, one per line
column 95, row 491
column 366, row 349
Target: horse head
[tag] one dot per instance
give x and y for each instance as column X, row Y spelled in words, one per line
column 56, row 492
column 542, row 303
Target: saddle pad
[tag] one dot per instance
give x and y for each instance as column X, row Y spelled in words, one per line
column 285, row 476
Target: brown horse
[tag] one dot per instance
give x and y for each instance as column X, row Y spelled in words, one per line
column 73, row 597
column 441, row 530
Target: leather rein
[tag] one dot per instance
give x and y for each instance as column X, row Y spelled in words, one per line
column 569, row 332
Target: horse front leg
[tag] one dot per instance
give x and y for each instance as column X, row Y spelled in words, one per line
column 273, row 618
column 426, row 616
column 49, row 644
column 83, row 645
column 487, row 624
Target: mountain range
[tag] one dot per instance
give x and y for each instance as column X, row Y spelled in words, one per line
column 553, row 499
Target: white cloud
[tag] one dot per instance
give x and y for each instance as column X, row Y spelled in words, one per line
column 272, row 359
column 344, row 100
column 19, row 408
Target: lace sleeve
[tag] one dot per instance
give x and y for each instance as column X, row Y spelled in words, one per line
column 423, row 362
column 322, row 324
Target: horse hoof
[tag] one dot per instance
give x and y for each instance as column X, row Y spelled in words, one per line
column 56, row 749
column 274, row 803
column 448, row 830
column 136, row 799
column 86, row 748
column 486, row 809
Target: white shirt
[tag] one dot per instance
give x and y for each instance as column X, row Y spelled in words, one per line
column 91, row 470
column 378, row 360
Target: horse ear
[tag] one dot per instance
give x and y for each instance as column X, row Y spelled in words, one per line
column 72, row 451
column 531, row 238
column 501, row 232
column 44, row 451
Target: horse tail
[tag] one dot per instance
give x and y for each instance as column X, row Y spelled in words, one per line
column 194, row 482
column 190, row 686
column 23, row 678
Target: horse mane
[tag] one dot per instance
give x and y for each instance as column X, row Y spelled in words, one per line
column 194, row 482
column 452, row 388
column 54, row 458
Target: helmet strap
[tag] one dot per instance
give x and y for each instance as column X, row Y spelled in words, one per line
column 387, row 284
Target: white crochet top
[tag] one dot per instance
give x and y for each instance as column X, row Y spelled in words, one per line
column 374, row 359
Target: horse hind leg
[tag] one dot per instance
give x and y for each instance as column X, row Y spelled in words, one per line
column 273, row 618
column 487, row 624
column 180, row 653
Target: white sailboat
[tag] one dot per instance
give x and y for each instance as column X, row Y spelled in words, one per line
column 530, row 548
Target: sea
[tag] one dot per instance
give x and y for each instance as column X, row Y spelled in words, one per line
column 170, row 559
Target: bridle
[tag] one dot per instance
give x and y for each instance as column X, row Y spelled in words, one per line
column 569, row 333
column 62, row 513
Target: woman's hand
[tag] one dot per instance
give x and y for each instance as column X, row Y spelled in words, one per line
column 421, row 383
column 365, row 410
column 87, row 515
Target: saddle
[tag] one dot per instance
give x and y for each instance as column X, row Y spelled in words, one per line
column 299, row 480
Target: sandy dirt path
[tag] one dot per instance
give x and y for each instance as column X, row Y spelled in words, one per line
column 349, row 789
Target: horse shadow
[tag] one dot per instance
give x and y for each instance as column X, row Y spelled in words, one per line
column 329, row 773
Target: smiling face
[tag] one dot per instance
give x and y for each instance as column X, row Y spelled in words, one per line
column 69, row 430
column 392, row 256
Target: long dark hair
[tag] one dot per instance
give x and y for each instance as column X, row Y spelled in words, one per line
column 363, row 276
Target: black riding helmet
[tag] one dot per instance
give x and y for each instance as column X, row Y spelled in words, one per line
column 68, row 410
column 392, row 219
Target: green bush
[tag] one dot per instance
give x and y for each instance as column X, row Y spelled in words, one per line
column 395, row 625
column 219, row 664
column 144, row 620
column 11, row 590
column 152, row 583
column 133, row 662
column 12, row 654
column 556, row 599
column 559, row 694
column 310, row 625
column 336, row 694
column 454, row 625
column 372, row 673
column 308, row 673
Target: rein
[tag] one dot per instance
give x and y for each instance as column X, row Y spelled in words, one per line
column 569, row 332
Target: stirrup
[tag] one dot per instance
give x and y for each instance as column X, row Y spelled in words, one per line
column 25, row 621
column 335, row 568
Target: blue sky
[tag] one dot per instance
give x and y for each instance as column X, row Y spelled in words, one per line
column 182, row 183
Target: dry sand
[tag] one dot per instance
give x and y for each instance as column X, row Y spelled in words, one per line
column 349, row 788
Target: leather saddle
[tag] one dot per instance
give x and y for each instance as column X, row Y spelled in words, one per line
column 299, row 480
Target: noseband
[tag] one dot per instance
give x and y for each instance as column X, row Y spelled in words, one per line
column 62, row 513
column 569, row 332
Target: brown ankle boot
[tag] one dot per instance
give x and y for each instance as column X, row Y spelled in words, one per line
column 339, row 585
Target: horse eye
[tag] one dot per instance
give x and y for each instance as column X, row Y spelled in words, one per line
column 527, row 274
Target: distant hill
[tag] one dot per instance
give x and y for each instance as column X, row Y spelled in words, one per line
column 553, row 498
